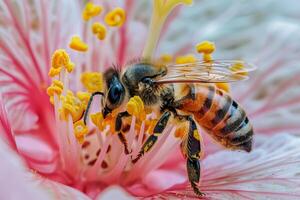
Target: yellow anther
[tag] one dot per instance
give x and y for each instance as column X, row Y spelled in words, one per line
column 150, row 124
column 84, row 97
column 135, row 107
column 77, row 44
column 238, row 66
column 223, row 86
column 71, row 106
column 166, row 58
column 190, row 58
column 91, row 10
column 55, row 88
column 97, row 119
column 92, row 81
column 60, row 59
column 207, row 48
column 161, row 9
column 80, row 130
column 99, row 30
column 116, row 17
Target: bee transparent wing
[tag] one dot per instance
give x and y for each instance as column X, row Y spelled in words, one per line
column 207, row 72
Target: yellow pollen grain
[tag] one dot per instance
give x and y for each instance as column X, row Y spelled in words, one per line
column 71, row 105
column 92, row 81
column 97, row 120
column 99, row 30
column 80, row 130
column 116, row 17
column 166, row 58
column 206, row 48
column 135, row 107
column 77, row 44
column 91, row 10
column 190, row 58
column 60, row 59
column 223, row 86
column 161, row 9
column 55, row 88
column 238, row 66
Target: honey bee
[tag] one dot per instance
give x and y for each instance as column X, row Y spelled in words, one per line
column 184, row 92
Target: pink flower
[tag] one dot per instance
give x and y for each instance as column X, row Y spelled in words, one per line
column 48, row 156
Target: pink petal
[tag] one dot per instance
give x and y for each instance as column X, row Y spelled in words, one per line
column 114, row 192
column 18, row 183
column 270, row 171
column 5, row 127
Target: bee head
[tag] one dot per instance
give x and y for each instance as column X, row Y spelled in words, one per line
column 114, row 90
column 139, row 79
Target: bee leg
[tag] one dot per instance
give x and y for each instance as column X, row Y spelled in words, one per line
column 118, row 127
column 158, row 129
column 193, row 150
column 89, row 105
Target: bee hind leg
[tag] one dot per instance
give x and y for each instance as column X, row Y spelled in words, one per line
column 193, row 151
column 158, row 129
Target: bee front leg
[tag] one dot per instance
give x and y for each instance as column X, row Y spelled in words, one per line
column 158, row 129
column 193, row 151
column 118, row 127
column 89, row 105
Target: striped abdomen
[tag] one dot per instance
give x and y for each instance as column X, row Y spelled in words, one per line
column 221, row 116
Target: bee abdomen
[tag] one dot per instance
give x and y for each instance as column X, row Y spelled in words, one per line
column 225, row 120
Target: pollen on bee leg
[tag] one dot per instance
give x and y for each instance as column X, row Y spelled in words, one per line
column 161, row 9
column 77, row 44
column 206, row 48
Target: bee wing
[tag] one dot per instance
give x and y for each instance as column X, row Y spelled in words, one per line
column 214, row 71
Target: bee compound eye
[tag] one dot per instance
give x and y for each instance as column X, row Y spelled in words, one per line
column 116, row 94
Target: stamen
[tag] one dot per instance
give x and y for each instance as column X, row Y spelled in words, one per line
column 71, row 106
column 55, row 88
column 60, row 59
column 77, row 44
column 115, row 17
column 165, row 58
column 190, row 58
column 207, row 48
column 97, row 120
column 91, row 10
column 99, row 30
column 135, row 107
column 161, row 9
column 80, row 130
column 92, row 81
column 238, row 66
